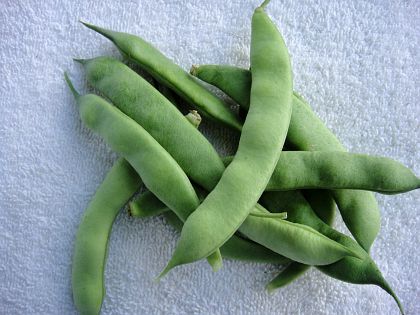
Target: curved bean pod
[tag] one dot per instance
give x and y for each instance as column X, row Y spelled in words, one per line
column 323, row 205
column 340, row 170
column 165, row 71
column 90, row 247
column 156, row 167
column 295, row 241
column 298, row 242
column 265, row 128
column 348, row 269
column 237, row 247
column 307, row 132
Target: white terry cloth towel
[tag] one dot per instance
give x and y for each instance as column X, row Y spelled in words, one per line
column 357, row 64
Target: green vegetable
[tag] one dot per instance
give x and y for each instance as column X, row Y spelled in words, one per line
column 236, row 247
column 90, row 247
column 348, row 269
column 165, row 71
column 323, row 205
column 265, row 128
column 298, row 242
column 340, row 170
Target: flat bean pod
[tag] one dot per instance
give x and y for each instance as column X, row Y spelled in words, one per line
column 295, row 241
column 165, row 71
column 265, row 128
column 90, row 247
column 298, row 242
column 237, row 247
column 348, row 269
column 340, row 170
column 323, row 205
column 307, row 132
column 156, row 167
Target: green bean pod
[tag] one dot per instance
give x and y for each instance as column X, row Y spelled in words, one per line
column 156, row 167
column 237, row 247
column 340, row 170
column 295, row 241
column 307, row 132
column 298, row 242
column 90, row 247
column 348, row 269
column 323, row 205
column 165, row 71
column 265, row 128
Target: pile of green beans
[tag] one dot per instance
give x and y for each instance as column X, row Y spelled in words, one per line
column 264, row 204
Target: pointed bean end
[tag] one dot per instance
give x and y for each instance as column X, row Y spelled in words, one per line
column 164, row 272
column 81, row 61
column 217, row 266
column 91, row 26
column 270, row 288
column 104, row 32
column 264, row 4
column 84, row 23
column 71, row 86
column 388, row 289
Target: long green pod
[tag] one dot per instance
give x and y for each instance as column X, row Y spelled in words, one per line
column 264, row 130
column 359, row 209
column 159, row 171
column 323, row 205
column 348, row 269
column 295, row 241
column 340, row 170
column 90, row 246
column 237, row 247
column 167, row 72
